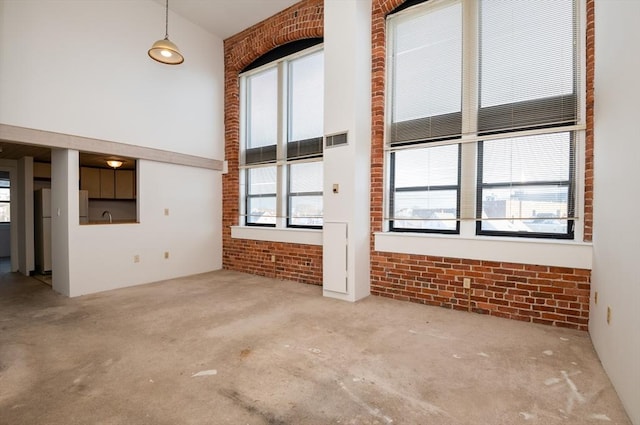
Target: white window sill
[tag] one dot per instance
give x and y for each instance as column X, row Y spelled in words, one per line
column 542, row 252
column 272, row 234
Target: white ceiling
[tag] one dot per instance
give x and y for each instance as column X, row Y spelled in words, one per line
column 225, row 18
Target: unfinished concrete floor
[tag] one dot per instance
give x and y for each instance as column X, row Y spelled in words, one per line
column 231, row 348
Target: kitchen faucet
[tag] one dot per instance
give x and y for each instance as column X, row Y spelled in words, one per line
column 109, row 215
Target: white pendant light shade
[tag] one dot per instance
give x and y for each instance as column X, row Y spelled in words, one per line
column 164, row 51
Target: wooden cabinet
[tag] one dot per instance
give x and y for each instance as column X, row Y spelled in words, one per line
column 90, row 180
column 103, row 183
column 125, row 184
column 42, row 170
column 107, row 184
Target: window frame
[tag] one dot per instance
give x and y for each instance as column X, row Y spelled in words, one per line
column 6, row 202
column 248, row 197
column 291, row 195
column 569, row 183
column 471, row 140
column 436, row 188
column 283, row 157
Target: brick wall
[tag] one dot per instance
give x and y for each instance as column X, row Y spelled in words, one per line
column 302, row 263
column 540, row 294
column 588, row 178
column 550, row 295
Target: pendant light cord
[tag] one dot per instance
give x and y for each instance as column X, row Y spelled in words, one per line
column 166, row 21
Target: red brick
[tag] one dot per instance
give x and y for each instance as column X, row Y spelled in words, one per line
column 415, row 278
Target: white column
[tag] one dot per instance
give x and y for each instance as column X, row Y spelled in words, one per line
column 64, row 215
column 347, row 56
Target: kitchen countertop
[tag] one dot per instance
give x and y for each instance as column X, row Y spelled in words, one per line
column 107, row 222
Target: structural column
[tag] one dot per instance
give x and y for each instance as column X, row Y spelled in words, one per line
column 347, row 97
column 64, row 215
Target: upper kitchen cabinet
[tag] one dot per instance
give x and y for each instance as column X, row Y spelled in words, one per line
column 104, row 183
column 90, row 181
column 107, row 184
column 42, row 170
column 125, row 184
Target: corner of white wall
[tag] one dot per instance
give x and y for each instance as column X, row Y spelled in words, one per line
column 616, row 241
column 81, row 84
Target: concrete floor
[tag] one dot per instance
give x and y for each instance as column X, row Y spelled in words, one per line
column 230, row 348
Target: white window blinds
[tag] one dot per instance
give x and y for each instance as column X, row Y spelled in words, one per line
column 306, row 106
column 262, row 116
column 527, row 64
column 427, row 74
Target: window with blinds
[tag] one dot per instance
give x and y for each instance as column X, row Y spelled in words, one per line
column 527, row 81
column 261, row 196
column 491, row 85
column 525, row 186
column 306, row 106
column 282, row 118
column 304, row 201
column 262, row 116
column 426, row 100
column 527, row 64
column 426, row 106
column 426, row 189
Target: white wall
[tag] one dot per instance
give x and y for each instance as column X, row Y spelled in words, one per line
column 347, row 97
column 81, row 68
column 102, row 256
column 616, row 239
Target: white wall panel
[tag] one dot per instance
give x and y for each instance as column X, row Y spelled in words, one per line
column 616, row 237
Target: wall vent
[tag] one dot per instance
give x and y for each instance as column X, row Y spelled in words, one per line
column 336, row 140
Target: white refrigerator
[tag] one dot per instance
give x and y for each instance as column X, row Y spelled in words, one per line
column 42, row 228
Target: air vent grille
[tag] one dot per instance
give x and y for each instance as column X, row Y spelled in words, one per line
column 336, row 140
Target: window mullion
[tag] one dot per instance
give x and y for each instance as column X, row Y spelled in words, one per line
column 281, row 149
column 470, row 79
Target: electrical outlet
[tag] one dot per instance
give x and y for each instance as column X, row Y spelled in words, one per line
column 273, row 258
column 466, row 283
column 166, row 255
column 166, row 211
column 136, row 258
column 595, row 297
column 608, row 315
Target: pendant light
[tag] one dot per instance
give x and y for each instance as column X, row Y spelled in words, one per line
column 164, row 51
column 114, row 163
